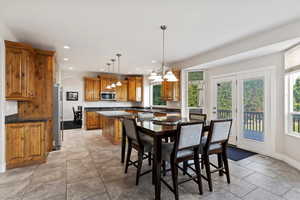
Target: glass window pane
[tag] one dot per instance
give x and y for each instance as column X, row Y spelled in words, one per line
column 253, row 107
column 224, row 100
column 195, row 89
column 157, row 100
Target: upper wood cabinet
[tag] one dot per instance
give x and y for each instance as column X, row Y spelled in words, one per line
column 171, row 90
column 25, row 144
column 135, row 88
column 122, row 91
column 92, row 89
column 107, row 80
column 20, row 76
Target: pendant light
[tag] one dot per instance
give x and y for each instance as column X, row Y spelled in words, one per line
column 113, row 85
column 108, row 65
column 118, row 56
column 169, row 76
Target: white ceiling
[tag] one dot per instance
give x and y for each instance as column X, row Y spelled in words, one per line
column 96, row 30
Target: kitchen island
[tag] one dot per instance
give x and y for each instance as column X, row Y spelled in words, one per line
column 112, row 124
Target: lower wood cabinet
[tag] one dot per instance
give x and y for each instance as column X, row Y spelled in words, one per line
column 93, row 120
column 25, row 144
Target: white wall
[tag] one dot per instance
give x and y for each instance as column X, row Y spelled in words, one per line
column 73, row 81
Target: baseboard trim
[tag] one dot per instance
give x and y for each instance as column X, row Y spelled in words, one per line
column 2, row 167
column 288, row 160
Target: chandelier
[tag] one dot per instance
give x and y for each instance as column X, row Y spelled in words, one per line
column 162, row 75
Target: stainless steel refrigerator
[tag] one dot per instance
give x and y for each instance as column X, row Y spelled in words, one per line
column 57, row 116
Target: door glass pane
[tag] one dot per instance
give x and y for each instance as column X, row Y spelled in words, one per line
column 224, row 100
column 253, row 108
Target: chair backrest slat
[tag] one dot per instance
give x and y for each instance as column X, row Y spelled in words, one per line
column 198, row 116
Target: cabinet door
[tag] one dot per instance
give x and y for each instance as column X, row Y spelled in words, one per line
column 92, row 120
column 89, row 89
column 139, row 89
column 124, row 89
column 14, row 73
column 29, row 70
column 176, row 87
column 96, row 94
column 34, row 141
column 131, row 89
column 15, row 145
column 167, row 90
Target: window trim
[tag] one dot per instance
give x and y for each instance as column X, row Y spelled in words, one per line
column 151, row 97
column 289, row 102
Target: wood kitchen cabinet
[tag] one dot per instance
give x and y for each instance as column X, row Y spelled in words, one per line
column 122, row 91
column 92, row 89
column 20, row 76
column 25, row 144
column 171, row 90
column 107, row 80
column 93, row 120
column 135, row 88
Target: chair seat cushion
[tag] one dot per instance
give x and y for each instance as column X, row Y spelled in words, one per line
column 167, row 149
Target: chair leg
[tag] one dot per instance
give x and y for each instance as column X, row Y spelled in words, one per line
column 149, row 158
column 128, row 156
column 185, row 167
column 174, row 170
column 220, row 164
column 164, row 166
column 225, row 160
column 198, row 171
column 202, row 162
column 208, row 173
column 140, row 162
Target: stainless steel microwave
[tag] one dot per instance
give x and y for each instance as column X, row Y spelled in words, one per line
column 108, row 96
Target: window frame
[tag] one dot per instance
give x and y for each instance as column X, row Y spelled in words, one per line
column 151, row 96
column 288, row 93
column 187, row 89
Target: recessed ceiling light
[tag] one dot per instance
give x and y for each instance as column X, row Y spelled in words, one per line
column 66, row 47
column 66, row 59
column 154, row 61
column 70, row 68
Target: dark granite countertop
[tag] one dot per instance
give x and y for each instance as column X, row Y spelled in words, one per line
column 142, row 109
column 11, row 119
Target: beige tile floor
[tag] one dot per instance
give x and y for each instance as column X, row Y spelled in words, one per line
column 88, row 168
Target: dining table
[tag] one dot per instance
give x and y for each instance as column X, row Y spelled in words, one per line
column 160, row 129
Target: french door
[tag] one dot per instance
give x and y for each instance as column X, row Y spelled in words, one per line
column 245, row 98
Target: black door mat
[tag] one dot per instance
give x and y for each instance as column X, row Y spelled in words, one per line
column 67, row 125
column 237, row 154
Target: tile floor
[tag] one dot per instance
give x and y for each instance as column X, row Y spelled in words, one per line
column 88, row 168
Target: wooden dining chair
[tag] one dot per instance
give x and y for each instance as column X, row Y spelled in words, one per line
column 141, row 143
column 216, row 143
column 184, row 148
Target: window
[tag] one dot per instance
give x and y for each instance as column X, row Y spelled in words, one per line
column 156, row 96
column 292, row 87
column 195, row 89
